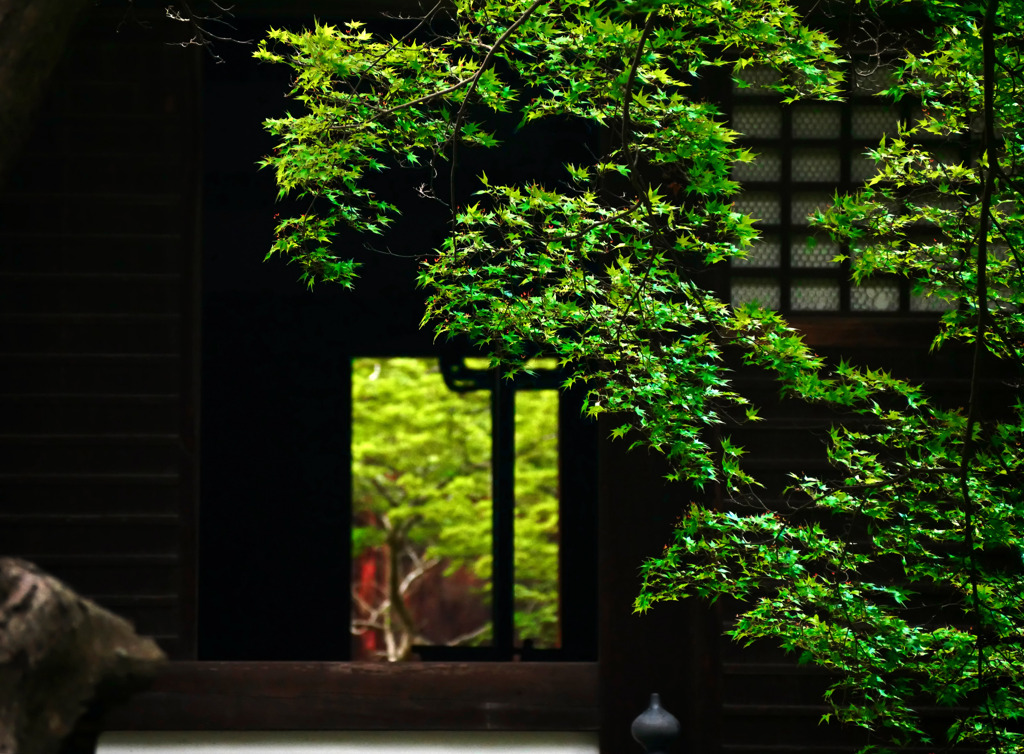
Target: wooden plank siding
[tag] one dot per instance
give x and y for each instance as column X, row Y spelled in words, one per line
column 735, row 699
column 98, row 329
column 770, row 703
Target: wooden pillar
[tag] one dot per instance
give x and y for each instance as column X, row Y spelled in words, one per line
column 671, row 650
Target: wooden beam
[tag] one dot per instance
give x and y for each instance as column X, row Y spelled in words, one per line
column 363, row 696
column 903, row 332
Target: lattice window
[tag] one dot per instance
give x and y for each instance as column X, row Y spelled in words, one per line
column 806, row 152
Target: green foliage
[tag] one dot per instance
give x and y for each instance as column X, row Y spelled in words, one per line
column 587, row 272
column 421, row 473
column 904, row 574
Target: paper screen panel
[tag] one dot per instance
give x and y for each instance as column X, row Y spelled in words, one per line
column 764, row 291
column 815, row 121
column 766, row 252
column 767, row 167
column 814, row 252
column 814, row 295
column 755, row 79
column 883, row 296
column 815, row 166
column 862, row 167
column 761, row 205
column 761, row 121
column 870, row 78
column 921, row 302
column 802, row 205
column 808, row 152
column 871, row 121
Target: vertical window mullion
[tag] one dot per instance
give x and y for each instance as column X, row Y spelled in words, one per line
column 846, row 181
column 785, row 211
column 503, row 459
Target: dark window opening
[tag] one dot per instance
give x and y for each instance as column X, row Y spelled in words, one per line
column 275, row 514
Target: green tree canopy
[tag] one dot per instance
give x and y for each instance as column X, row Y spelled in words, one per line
column 421, row 470
column 600, row 269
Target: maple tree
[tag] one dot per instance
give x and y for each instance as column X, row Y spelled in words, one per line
column 601, row 271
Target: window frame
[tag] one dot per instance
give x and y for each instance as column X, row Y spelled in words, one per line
column 849, row 145
column 576, row 449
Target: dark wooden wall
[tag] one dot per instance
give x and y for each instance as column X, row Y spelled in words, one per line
column 768, row 702
column 98, row 420
column 729, row 698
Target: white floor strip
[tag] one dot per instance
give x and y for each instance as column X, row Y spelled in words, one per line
column 345, row 742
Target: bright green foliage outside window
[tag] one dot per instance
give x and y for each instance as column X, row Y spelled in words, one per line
column 421, row 477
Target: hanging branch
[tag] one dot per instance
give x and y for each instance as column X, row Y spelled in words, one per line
column 990, row 167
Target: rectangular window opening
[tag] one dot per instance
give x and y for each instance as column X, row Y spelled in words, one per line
column 424, row 481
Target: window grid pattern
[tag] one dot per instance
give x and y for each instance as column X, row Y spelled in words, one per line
column 805, row 153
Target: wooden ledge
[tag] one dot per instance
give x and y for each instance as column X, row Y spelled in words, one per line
column 906, row 331
column 364, row 696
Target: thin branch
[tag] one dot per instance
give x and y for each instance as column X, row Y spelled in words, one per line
column 632, row 299
column 468, row 635
column 425, row 19
column 610, row 219
column 201, row 34
column 425, row 98
column 486, row 62
column 470, row 80
column 416, row 573
column 981, row 307
column 457, row 123
column 628, row 94
column 399, row 608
